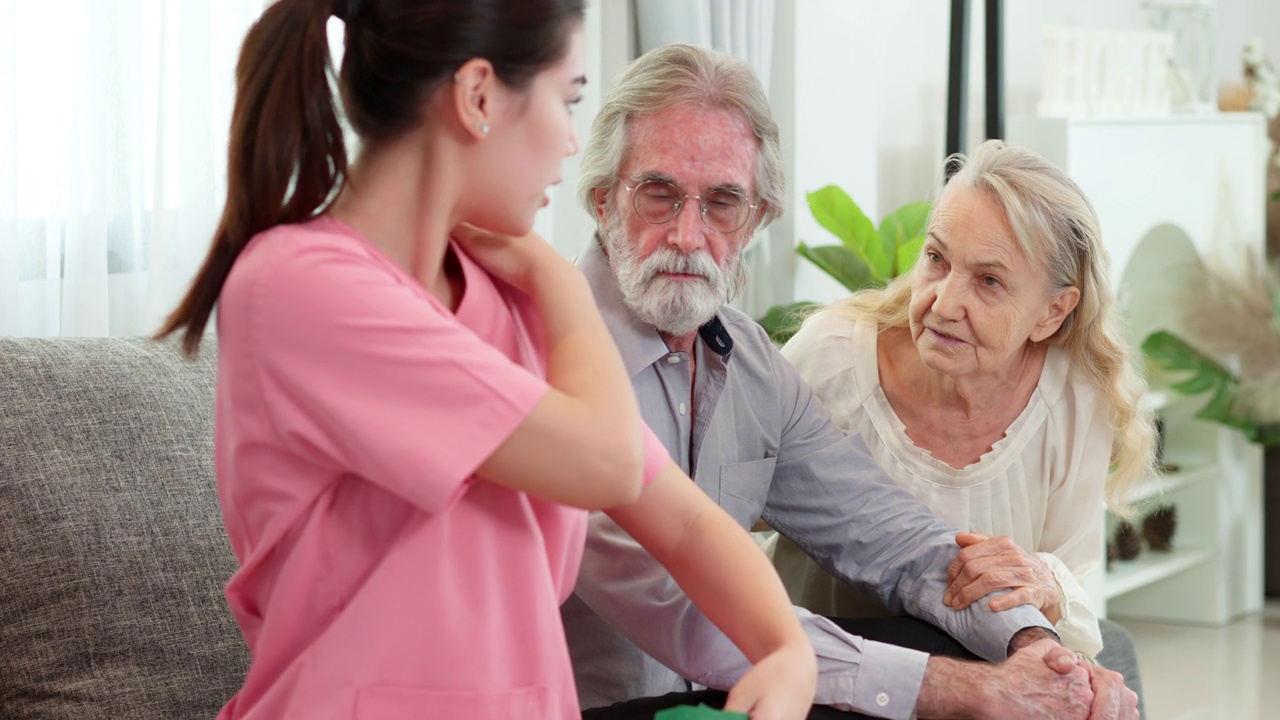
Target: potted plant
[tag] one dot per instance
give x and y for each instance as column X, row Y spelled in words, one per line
column 866, row 257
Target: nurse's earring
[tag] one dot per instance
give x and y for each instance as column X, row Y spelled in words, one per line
column 483, row 127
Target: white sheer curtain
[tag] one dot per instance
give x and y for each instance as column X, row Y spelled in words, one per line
column 113, row 126
column 743, row 28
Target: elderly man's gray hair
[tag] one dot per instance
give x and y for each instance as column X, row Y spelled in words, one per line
column 674, row 75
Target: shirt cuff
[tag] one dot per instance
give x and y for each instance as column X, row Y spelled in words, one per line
column 993, row 645
column 1078, row 626
column 889, row 680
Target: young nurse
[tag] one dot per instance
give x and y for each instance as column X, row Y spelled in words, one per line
column 417, row 401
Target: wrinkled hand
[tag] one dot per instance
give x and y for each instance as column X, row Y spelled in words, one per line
column 986, row 564
column 514, row 260
column 1042, row 680
column 1028, row 635
column 1111, row 699
column 779, row 687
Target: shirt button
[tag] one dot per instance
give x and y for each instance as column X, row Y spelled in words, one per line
column 673, row 359
column 882, row 699
column 683, row 409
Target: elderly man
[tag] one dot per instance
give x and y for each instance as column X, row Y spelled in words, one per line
column 682, row 167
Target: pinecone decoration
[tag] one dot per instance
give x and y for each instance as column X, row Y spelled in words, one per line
column 1128, row 541
column 1158, row 527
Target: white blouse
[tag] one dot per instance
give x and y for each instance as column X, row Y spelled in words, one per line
column 1041, row 484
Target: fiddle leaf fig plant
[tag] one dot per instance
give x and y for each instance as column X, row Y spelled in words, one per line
column 866, row 257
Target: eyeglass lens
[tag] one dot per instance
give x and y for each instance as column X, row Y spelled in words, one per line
column 659, row 202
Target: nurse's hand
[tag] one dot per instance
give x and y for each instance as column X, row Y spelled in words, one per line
column 779, row 687
column 986, row 564
column 517, row 261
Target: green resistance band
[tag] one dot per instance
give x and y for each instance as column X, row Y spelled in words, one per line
column 701, row 712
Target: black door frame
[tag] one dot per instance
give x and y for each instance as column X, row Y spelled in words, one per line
column 958, row 75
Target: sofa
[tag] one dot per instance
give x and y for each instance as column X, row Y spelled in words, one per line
column 113, row 556
column 112, row 553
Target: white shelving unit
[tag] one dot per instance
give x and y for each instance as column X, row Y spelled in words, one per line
column 1168, row 191
column 1165, row 485
column 1150, row 568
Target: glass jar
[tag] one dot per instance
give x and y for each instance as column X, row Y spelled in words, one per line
column 1192, row 69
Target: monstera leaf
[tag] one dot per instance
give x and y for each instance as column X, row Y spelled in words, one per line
column 1199, row 374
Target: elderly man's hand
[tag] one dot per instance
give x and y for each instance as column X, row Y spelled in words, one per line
column 1036, row 682
column 1111, row 699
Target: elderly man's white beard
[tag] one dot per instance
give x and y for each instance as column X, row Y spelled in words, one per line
column 674, row 307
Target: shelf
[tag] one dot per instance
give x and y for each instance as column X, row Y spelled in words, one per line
column 1165, row 484
column 1128, row 575
column 1161, row 485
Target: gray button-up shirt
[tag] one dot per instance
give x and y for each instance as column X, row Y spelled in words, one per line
column 753, row 436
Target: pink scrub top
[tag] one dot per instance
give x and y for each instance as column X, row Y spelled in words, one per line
column 379, row 578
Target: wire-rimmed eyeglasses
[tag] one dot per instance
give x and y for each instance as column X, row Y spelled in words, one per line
column 659, row 202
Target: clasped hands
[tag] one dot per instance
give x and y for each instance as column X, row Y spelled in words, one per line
column 1043, row 679
column 1075, row 687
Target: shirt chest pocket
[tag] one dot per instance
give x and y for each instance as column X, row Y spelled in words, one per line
column 744, row 487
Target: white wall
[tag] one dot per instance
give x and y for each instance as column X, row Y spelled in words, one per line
column 859, row 90
column 610, row 45
column 913, row 38
column 823, row 97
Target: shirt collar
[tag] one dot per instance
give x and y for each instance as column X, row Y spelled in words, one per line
column 637, row 341
column 717, row 337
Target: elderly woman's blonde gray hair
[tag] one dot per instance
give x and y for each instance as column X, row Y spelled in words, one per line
column 674, row 75
column 1056, row 226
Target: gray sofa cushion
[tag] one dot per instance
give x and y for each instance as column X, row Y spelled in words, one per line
column 113, row 556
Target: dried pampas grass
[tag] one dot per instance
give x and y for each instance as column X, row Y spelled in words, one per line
column 1234, row 319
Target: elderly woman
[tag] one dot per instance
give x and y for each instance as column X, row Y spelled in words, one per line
column 994, row 384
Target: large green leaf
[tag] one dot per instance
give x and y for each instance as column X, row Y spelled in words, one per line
column 841, row 264
column 838, row 213
column 908, row 253
column 782, row 321
column 1200, row 373
column 1267, row 434
column 905, row 227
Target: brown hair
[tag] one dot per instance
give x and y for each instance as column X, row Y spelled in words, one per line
column 287, row 160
